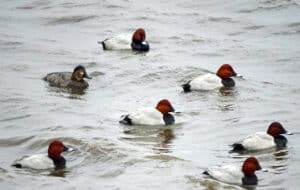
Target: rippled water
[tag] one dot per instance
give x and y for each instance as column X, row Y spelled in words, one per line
column 259, row 38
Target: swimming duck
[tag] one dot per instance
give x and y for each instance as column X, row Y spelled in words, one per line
column 44, row 161
column 125, row 42
column 68, row 79
column 151, row 116
column 236, row 174
column 211, row 81
column 263, row 140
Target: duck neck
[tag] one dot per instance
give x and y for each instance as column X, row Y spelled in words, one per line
column 280, row 141
column 59, row 162
column 249, row 180
column 229, row 82
column 140, row 46
column 168, row 118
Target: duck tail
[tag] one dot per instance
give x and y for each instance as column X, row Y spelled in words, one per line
column 103, row 45
column 238, row 147
column 45, row 78
column 17, row 165
column 186, row 87
column 126, row 120
column 205, row 172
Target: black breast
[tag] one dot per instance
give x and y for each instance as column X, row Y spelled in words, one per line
column 144, row 46
column 280, row 141
column 228, row 82
column 249, row 180
column 59, row 163
column 169, row 119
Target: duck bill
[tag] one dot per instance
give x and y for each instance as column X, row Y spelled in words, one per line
column 68, row 149
column 234, row 74
column 172, row 109
column 288, row 133
column 87, row 76
column 262, row 169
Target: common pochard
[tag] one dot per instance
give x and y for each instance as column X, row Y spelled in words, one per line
column 263, row 140
column 151, row 116
column 212, row 81
column 236, row 174
column 52, row 160
column 136, row 41
column 69, row 79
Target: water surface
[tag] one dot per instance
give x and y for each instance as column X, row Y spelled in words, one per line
column 260, row 39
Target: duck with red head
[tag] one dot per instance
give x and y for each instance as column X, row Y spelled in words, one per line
column 160, row 115
column 44, row 161
column 210, row 81
column 236, row 174
column 73, row 79
column 136, row 41
column 263, row 140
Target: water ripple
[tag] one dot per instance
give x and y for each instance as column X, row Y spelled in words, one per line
column 70, row 19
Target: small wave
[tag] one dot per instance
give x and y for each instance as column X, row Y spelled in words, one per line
column 254, row 27
column 15, row 118
column 14, row 141
column 115, row 7
column 294, row 24
column 34, row 5
column 220, row 19
column 70, row 19
column 74, row 5
column 286, row 33
column 268, row 8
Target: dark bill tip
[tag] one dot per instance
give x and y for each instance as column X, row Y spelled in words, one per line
column 172, row 109
column 87, row 76
column 68, row 149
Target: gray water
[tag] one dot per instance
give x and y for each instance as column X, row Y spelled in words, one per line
column 260, row 39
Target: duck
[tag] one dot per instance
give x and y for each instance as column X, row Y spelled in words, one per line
column 69, row 79
column 52, row 160
column 160, row 115
column 263, row 140
column 236, row 174
column 136, row 42
column 210, row 81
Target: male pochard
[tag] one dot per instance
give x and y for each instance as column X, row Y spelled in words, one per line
column 151, row 116
column 136, row 41
column 212, row 81
column 45, row 161
column 263, row 140
column 236, row 174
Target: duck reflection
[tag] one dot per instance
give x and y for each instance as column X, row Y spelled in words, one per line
column 58, row 173
column 71, row 93
column 158, row 139
column 165, row 137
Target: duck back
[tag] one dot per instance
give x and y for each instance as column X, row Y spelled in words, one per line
column 63, row 79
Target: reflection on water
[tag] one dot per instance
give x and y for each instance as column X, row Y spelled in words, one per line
column 72, row 93
column 225, row 91
column 156, row 138
column 211, row 184
column 187, row 39
column 164, row 141
column 59, row 173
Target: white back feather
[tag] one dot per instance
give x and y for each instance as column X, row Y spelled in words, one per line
column 119, row 42
column 258, row 141
column 37, row 161
column 227, row 173
column 147, row 116
column 208, row 81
